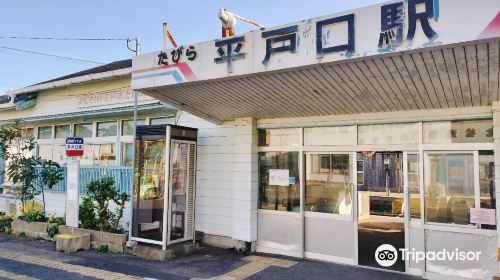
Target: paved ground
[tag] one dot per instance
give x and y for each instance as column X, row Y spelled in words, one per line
column 24, row 258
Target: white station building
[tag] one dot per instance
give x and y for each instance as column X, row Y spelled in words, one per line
column 328, row 137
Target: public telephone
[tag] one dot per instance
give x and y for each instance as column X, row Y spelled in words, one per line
column 164, row 184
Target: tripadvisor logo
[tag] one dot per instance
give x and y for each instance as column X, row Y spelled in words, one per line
column 386, row 255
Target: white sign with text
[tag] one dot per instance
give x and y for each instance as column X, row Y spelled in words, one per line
column 482, row 216
column 279, row 177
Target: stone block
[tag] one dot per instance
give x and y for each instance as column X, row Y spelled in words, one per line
column 31, row 229
column 72, row 243
column 116, row 242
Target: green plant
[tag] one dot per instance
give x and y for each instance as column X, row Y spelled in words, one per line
column 32, row 212
column 50, row 175
column 17, row 150
column 52, row 230
column 5, row 225
column 100, row 194
column 57, row 220
column 103, row 248
column 87, row 215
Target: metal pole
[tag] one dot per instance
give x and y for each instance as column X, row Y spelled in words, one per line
column 130, row 243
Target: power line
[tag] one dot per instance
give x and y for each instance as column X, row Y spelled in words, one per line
column 62, row 38
column 59, row 57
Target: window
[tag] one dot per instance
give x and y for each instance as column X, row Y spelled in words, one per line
column 106, row 129
column 27, row 132
column 55, row 153
column 45, row 132
column 88, row 156
column 341, row 135
column 279, row 137
column 128, row 126
column 477, row 131
column 104, row 154
column 360, row 172
column 275, row 167
column 449, row 187
column 166, row 120
column 414, row 185
column 59, row 153
column 83, row 130
column 487, row 182
column 127, row 154
column 388, row 134
column 45, row 152
column 328, row 184
column 63, row 131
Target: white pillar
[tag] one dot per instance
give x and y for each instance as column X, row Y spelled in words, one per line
column 245, row 180
column 496, row 136
column 72, row 192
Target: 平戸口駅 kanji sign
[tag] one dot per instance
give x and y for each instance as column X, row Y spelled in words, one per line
column 383, row 28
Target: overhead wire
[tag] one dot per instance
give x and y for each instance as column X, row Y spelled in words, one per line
column 63, row 38
column 15, row 51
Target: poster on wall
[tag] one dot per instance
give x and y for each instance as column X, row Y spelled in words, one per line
column 482, row 216
column 279, row 177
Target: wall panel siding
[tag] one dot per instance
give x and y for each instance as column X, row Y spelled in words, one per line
column 214, row 193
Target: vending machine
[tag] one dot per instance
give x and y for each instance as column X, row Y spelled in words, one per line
column 164, row 184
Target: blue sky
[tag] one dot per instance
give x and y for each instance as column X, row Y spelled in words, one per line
column 189, row 22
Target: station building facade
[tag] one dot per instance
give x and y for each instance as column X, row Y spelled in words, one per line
column 341, row 133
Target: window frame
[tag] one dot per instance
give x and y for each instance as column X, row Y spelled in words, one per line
column 475, row 156
column 420, row 149
column 51, row 132
column 59, row 125
column 334, row 216
column 84, row 123
column 117, row 124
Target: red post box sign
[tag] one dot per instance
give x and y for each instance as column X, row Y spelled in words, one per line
column 74, row 147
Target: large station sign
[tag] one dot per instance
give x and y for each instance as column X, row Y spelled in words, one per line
column 370, row 31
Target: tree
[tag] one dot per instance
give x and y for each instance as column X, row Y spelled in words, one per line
column 50, row 175
column 17, row 149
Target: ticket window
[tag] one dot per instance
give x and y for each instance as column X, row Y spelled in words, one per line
column 164, row 184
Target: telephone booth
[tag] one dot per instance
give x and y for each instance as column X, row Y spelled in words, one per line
column 164, row 184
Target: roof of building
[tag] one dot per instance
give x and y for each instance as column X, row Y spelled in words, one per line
column 114, row 69
column 115, row 65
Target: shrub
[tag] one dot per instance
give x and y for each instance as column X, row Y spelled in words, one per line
column 87, row 217
column 57, row 220
column 52, row 230
column 32, row 212
column 103, row 248
column 94, row 210
column 5, row 224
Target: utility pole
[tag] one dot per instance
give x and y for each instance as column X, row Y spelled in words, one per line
column 129, row 242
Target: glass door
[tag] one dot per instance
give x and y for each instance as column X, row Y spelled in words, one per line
column 381, row 219
column 149, row 189
column 329, row 224
column 179, row 169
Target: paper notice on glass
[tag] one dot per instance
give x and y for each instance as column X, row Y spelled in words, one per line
column 279, row 177
column 482, row 216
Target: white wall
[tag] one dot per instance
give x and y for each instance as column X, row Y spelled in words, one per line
column 225, row 197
